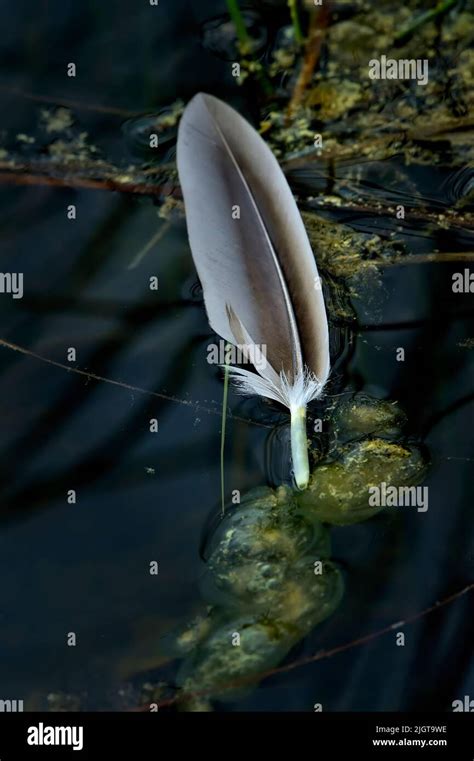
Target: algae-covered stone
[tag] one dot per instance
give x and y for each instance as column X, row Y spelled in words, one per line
column 234, row 656
column 195, row 704
column 360, row 415
column 255, row 550
column 189, row 636
column 354, row 42
column 246, row 643
column 300, row 593
column 268, row 625
column 266, row 524
column 338, row 491
column 309, row 593
column 279, row 534
column 335, row 98
column 153, row 135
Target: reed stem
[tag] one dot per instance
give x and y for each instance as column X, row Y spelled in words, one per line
column 440, row 9
column 245, row 41
column 238, row 20
column 295, row 19
column 224, row 421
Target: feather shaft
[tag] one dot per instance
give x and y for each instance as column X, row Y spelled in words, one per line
column 299, row 447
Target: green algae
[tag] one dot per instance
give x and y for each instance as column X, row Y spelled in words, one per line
column 269, row 579
column 338, row 491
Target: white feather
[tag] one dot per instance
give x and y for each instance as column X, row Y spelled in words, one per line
column 259, row 276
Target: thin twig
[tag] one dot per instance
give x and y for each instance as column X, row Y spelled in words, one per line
column 89, row 177
column 372, row 141
column 161, row 232
column 78, row 105
column 439, row 10
column 464, row 256
column 93, row 376
column 403, row 259
column 450, row 221
column 147, row 188
column 106, row 177
column 321, row 655
column 375, row 635
column 318, row 22
column 295, row 20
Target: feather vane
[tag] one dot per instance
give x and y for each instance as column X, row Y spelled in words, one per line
column 259, row 276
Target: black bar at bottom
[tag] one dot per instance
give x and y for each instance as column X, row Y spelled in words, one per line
column 155, row 735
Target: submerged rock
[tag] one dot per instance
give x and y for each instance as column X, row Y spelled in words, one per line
column 269, row 580
column 234, row 656
column 264, row 525
column 153, row 136
column 219, row 36
column 361, row 415
column 335, row 98
column 338, row 491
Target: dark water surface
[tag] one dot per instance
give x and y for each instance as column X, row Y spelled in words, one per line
column 84, row 568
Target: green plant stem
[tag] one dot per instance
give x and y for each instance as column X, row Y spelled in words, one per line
column 299, row 37
column 223, row 426
column 245, row 41
column 162, row 230
column 441, row 8
column 236, row 15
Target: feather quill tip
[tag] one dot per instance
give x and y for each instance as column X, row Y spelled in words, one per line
column 299, row 447
column 295, row 396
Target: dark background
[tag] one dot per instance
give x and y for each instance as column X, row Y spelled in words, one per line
column 84, row 568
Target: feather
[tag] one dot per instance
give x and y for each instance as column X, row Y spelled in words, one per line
column 260, row 281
